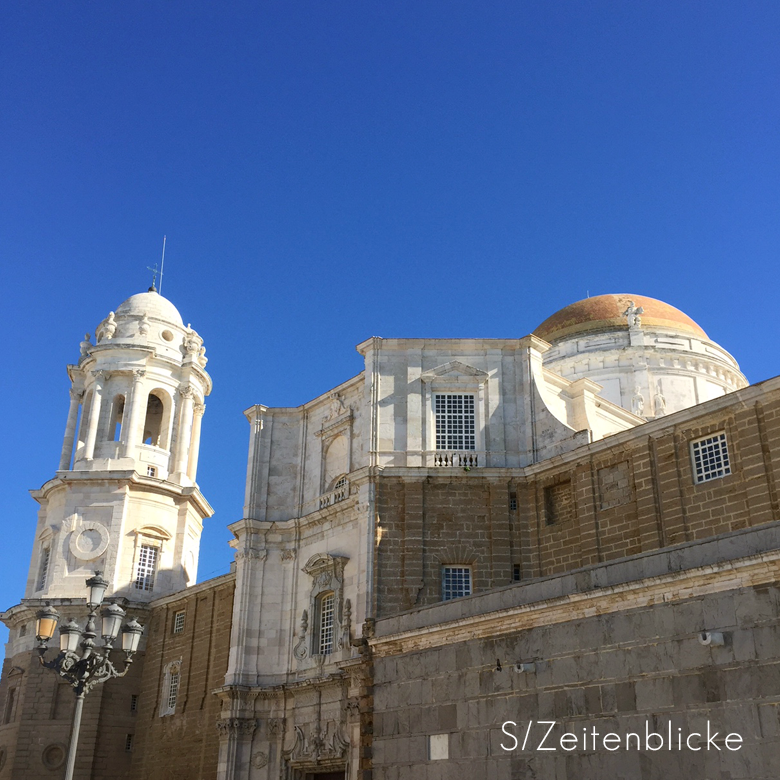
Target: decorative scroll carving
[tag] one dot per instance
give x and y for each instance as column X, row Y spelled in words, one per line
column 346, row 626
column 300, row 649
column 143, row 326
column 107, row 328
column 259, row 759
column 186, row 391
column 289, row 554
column 251, row 553
column 313, row 744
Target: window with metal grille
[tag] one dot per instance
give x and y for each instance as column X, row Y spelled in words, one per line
column 178, row 622
column 151, row 471
column 325, row 627
column 134, row 702
column 43, row 572
column 173, row 689
column 128, row 743
column 455, row 421
column 147, row 565
column 455, row 582
column 513, row 502
column 517, row 573
column 710, row 458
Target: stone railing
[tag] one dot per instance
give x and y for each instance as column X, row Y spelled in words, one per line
column 466, row 459
column 339, row 494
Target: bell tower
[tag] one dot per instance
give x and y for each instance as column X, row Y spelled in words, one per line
column 124, row 499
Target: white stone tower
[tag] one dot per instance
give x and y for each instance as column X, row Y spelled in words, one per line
column 124, row 499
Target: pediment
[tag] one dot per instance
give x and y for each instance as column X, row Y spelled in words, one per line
column 455, row 371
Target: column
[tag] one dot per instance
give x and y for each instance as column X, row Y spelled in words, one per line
column 70, row 428
column 192, row 468
column 185, row 429
column 137, row 408
column 94, row 413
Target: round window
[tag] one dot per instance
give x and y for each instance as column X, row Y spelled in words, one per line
column 53, row 756
column 167, row 335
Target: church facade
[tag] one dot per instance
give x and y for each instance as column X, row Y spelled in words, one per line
column 578, row 527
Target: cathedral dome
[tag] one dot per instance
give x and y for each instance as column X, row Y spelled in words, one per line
column 605, row 313
column 151, row 304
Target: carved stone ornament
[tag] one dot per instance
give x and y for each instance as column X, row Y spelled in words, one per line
column 143, row 326
column 313, row 744
column 289, row 554
column 259, row 759
column 251, row 553
column 107, row 328
column 186, row 391
column 299, row 651
column 138, row 374
column 243, row 727
column 85, row 345
column 192, row 342
column 633, row 315
column 346, row 626
column 76, row 395
column 90, row 541
column 275, row 726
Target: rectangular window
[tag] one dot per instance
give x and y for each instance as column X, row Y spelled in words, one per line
column 178, row 622
column 513, row 502
column 455, row 582
column 517, row 573
column 43, row 572
column 134, row 703
column 151, row 471
column 325, row 634
column 710, row 458
column 455, row 422
column 147, row 565
column 173, row 690
column 10, row 701
column 128, row 743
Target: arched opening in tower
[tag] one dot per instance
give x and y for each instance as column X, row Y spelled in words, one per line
column 153, row 424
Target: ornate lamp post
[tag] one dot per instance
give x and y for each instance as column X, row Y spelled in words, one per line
column 92, row 667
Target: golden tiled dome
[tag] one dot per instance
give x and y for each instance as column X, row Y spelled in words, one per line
column 605, row 312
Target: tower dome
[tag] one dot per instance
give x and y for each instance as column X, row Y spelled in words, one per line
column 151, row 304
column 648, row 356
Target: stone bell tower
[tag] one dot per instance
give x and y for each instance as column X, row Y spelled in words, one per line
column 124, row 499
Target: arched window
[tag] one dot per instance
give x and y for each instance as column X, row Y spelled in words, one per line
column 323, row 636
column 170, row 687
column 115, row 421
column 153, row 421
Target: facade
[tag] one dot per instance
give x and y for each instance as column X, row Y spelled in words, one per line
column 579, row 527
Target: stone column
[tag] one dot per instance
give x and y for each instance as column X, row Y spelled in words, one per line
column 94, row 413
column 192, row 468
column 70, row 428
column 134, row 422
column 185, row 429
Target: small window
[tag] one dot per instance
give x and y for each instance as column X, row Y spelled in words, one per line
column 455, row 421
column 178, row 622
column 23, row 630
column 513, row 502
column 128, row 743
column 146, row 567
column 326, row 607
column 151, row 471
column 710, row 458
column 517, row 573
column 173, row 690
column 43, row 571
column 134, row 703
column 10, row 702
column 455, row 582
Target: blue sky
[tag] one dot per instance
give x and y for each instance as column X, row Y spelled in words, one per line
column 326, row 172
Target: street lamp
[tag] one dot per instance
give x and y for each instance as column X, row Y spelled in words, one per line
column 92, row 667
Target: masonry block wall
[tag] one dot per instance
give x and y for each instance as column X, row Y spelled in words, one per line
column 627, row 658
column 627, row 494
column 38, row 713
column 184, row 744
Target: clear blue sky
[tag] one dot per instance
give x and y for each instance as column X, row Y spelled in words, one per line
column 329, row 171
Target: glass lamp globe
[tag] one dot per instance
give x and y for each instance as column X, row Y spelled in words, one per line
column 70, row 633
column 46, row 623
column 112, row 620
column 131, row 636
column 97, row 589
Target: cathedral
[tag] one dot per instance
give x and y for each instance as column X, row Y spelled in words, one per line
column 472, row 537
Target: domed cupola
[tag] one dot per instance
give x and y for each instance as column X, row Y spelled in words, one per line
column 648, row 356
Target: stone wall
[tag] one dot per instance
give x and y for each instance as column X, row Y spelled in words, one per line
column 615, row 647
column 184, row 745
column 630, row 493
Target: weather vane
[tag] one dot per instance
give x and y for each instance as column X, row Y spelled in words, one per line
column 154, row 271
